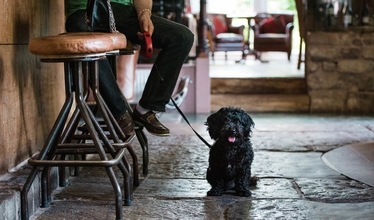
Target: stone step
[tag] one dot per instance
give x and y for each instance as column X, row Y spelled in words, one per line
column 262, row 102
column 258, row 86
column 10, row 205
column 11, row 185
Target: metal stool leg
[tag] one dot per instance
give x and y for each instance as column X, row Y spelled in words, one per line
column 110, row 122
column 144, row 144
column 91, row 122
column 138, row 129
column 52, row 138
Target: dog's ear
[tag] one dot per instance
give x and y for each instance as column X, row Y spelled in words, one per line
column 212, row 122
column 248, row 124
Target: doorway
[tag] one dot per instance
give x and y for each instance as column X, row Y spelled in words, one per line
column 275, row 86
column 278, row 65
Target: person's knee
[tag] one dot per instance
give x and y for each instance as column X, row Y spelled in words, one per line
column 189, row 36
column 186, row 39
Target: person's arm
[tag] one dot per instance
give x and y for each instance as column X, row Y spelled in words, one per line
column 144, row 11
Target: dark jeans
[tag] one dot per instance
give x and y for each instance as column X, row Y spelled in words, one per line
column 174, row 40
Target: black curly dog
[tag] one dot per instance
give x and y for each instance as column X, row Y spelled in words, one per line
column 231, row 156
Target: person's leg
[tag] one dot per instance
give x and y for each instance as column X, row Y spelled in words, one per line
column 111, row 94
column 126, row 68
column 174, row 40
column 109, row 89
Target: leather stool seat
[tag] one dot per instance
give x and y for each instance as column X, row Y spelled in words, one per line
column 77, row 43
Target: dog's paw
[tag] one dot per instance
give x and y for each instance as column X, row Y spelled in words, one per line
column 253, row 181
column 244, row 193
column 214, row 192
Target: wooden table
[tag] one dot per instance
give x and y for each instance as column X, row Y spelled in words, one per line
column 247, row 48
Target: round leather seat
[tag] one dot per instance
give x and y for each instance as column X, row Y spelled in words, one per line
column 77, row 43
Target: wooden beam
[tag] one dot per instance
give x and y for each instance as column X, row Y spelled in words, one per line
column 202, row 46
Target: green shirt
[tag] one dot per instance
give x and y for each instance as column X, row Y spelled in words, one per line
column 72, row 6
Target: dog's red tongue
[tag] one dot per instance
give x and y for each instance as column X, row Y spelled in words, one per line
column 231, row 139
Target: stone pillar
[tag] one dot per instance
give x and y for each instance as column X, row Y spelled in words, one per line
column 340, row 71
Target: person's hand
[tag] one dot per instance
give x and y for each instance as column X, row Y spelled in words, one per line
column 145, row 23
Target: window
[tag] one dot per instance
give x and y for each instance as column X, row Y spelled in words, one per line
column 244, row 6
column 221, row 6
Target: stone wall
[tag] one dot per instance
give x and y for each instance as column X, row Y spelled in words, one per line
column 31, row 92
column 340, row 71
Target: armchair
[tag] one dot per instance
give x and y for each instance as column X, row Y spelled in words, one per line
column 273, row 32
column 222, row 36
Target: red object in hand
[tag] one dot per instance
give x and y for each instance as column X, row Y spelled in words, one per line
column 147, row 50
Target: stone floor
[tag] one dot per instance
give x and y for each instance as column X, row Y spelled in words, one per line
column 277, row 66
column 294, row 182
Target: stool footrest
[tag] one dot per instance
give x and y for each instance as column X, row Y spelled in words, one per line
column 89, row 145
column 76, row 163
column 88, row 137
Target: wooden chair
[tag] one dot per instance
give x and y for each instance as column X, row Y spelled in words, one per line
column 273, row 32
column 223, row 36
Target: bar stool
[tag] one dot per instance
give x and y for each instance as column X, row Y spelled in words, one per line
column 139, row 129
column 85, row 136
column 80, row 53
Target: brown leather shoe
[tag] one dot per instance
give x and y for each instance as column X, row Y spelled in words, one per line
column 151, row 123
column 126, row 123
